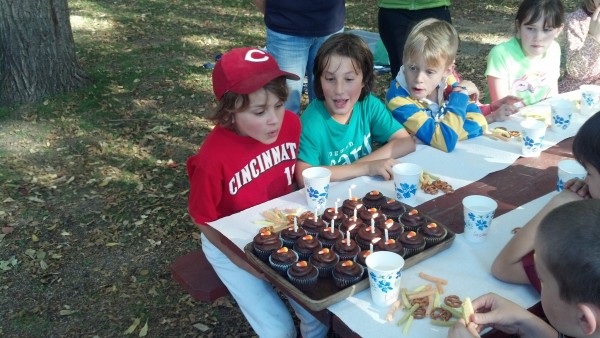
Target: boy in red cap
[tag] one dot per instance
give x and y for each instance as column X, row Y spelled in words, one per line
column 247, row 159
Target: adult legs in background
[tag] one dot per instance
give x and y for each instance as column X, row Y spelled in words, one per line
column 395, row 24
column 261, row 305
column 295, row 54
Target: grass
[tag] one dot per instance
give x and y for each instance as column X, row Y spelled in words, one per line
column 97, row 177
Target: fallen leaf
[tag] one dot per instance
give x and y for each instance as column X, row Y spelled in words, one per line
column 35, row 199
column 144, row 330
column 34, row 238
column 112, row 244
column 132, row 327
column 201, row 327
column 7, row 230
column 66, row 312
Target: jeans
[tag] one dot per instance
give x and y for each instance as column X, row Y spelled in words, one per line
column 295, row 54
column 259, row 302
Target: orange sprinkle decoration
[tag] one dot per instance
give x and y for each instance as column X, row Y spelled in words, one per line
column 307, row 237
column 389, row 223
column 390, row 201
column 368, row 252
column 374, row 192
column 354, row 199
column 347, row 263
column 390, row 241
column 373, row 210
column 330, row 210
column 411, row 234
column 282, row 250
column 413, row 212
column 432, row 225
column 265, row 233
column 324, row 251
column 302, row 264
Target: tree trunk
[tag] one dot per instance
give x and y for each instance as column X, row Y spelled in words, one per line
column 37, row 51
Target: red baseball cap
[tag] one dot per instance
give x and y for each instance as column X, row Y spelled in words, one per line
column 244, row 71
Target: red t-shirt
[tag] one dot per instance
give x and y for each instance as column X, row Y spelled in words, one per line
column 231, row 173
column 529, row 267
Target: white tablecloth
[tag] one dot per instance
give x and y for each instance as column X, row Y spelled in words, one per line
column 465, row 265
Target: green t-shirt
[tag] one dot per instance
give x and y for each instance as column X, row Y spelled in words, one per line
column 530, row 80
column 326, row 142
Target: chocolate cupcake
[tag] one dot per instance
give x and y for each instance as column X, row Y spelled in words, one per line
column 346, row 248
column 265, row 242
column 281, row 259
column 412, row 220
column 368, row 214
column 394, row 229
column 303, row 275
column 373, row 199
column 333, row 214
column 352, row 204
column 366, row 236
column 329, row 236
column 361, row 259
column 346, row 273
column 324, row 260
column 289, row 236
column 305, row 246
column 313, row 225
column 392, row 209
column 433, row 233
column 412, row 242
column 352, row 224
column 390, row 245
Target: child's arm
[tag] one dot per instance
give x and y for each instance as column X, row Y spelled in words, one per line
column 498, row 88
column 494, row 311
column 507, row 266
column 582, row 48
column 375, row 167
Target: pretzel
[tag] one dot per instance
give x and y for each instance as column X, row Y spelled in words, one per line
column 453, row 301
column 440, row 314
column 439, row 183
column 423, row 301
column 514, row 133
column 419, row 313
column 430, row 189
column 447, row 189
column 269, row 228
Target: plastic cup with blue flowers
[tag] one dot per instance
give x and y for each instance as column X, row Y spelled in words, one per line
column 479, row 211
column 406, row 182
column 316, row 183
column 385, row 272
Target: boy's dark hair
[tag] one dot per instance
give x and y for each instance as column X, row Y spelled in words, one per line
column 353, row 47
column 586, row 145
column 231, row 103
column 589, row 6
column 530, row 11
column 570, row 245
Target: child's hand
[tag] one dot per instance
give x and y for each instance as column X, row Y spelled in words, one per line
column 492, row 310
column 471, row 88
column 507, row 100
column 460, row 330
column 579, row 187
column 503, row 108
column 382, row 168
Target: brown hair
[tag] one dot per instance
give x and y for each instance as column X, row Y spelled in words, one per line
column 353, row 47
column 588, row 6
column 232, row 103
column 434, row 40
column 568, row 243
column 530, row 11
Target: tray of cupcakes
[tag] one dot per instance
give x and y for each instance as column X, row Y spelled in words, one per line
column 320, row 259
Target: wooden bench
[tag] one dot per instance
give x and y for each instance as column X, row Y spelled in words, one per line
column 195, row 275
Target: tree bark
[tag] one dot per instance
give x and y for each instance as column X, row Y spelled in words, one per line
column 37, row 51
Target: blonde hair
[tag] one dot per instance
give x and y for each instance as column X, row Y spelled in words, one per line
column 434, row 40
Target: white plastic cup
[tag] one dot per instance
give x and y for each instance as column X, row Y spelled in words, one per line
column 479, row 212
column 406, row 182
column 562, row 111
column 316, row 183
column 385, row 272
column 533, row 137
column 590, row 99
column 568, row 169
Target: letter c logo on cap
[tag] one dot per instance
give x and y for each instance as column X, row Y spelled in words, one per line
column 251, row 58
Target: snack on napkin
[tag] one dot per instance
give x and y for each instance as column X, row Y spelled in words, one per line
column 276, row 219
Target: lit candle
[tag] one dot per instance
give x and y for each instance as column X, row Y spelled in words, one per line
column 336, row 205
column 295, row 224
column 348, row 236
column 372, row 225
column 350, row 191
column 386, row 234
column 316, row 213
column 331, row 225
column 371, row 247
column 355, row 213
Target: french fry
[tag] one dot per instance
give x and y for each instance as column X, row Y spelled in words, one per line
column 407, row 314
column 432, row 278
column 392, row 310
column 440, row 287
column 467, row 308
